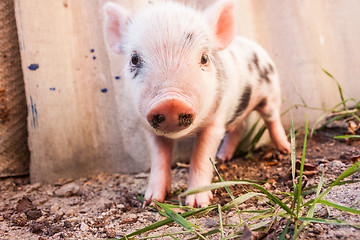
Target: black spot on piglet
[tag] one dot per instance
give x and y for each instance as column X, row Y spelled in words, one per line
column 262, row 71
column 190, row 36
column 243, row 103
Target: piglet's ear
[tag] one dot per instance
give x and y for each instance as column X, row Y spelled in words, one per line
column 116, row 18
column 221, row 18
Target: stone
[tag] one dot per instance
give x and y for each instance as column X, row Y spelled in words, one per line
column 68, row 190
column 84, row 227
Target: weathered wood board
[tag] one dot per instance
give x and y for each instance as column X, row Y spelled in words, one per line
column 14, row 153
column 80, row 121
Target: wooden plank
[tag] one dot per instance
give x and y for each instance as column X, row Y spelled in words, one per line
column 14, row 153
column 78, row 122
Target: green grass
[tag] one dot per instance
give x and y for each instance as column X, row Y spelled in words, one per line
column 340, row 110
column 290, row 210
column 335, row 113
column 297, row 211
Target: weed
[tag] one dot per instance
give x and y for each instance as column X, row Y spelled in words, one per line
column 291, row 207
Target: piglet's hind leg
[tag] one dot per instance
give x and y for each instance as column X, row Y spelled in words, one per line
column 270, row 111
column 278, row 136
column 230, row 142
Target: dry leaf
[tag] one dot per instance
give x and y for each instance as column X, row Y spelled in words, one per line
column 272, row 181
column 309, row 169
column 271, row 163
column 355, row 159
column 223, row 167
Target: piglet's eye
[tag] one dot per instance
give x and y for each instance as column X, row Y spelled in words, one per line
column 204, row 59
column 135, row 60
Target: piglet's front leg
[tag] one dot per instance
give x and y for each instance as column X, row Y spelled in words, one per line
column 201, row 169
column 160, row 174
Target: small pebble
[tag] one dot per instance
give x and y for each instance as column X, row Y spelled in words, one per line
column 68, row 190
column 67, row 224
column 120, row 206
column 74, row 219
column 84, row 227
column 70, row 212
column 267, row 185
column 54, row 208
column 35, row 228
column 110, row 233
column 42, row 200
column 335, row 164
column 210, row 223
column 33, row 187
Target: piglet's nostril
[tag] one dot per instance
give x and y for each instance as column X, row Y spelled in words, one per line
column 156, row 120
column 185, row 119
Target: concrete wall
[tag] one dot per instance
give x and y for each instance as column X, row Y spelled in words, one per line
column 79, row 119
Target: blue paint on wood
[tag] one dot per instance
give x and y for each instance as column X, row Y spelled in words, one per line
column 34, row 113
column 33, row 66
column 104, row 90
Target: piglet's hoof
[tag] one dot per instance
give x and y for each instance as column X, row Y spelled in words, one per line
column 199, row 200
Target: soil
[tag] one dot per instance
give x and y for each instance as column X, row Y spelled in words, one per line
column 108, row 205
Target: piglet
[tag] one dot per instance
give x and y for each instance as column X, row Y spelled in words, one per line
column 188, row 74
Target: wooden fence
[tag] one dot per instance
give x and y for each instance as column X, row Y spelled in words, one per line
column 79, row 121
column 14, row 153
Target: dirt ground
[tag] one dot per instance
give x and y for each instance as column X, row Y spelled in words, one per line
column 107, row 206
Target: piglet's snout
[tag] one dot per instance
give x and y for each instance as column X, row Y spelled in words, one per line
column 171, row 113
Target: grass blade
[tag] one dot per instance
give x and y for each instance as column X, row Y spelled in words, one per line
column 324, row 115
column 350, row 171
column 221, row 227
column 175, row 216
column 222, row 180
column 239, row 182
column 302, row 169
column 163, row 235
column 338, row 85
column 293, row 149
column 211, row 232
column 240, row 200
column 259, row 225
column 347, row 136
column 246, row 139
column 227, row 189
column 329, row 221
column 256, row 139
column 285, row 231
column 311, row 211
column 167, row 221
column 342, row 208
